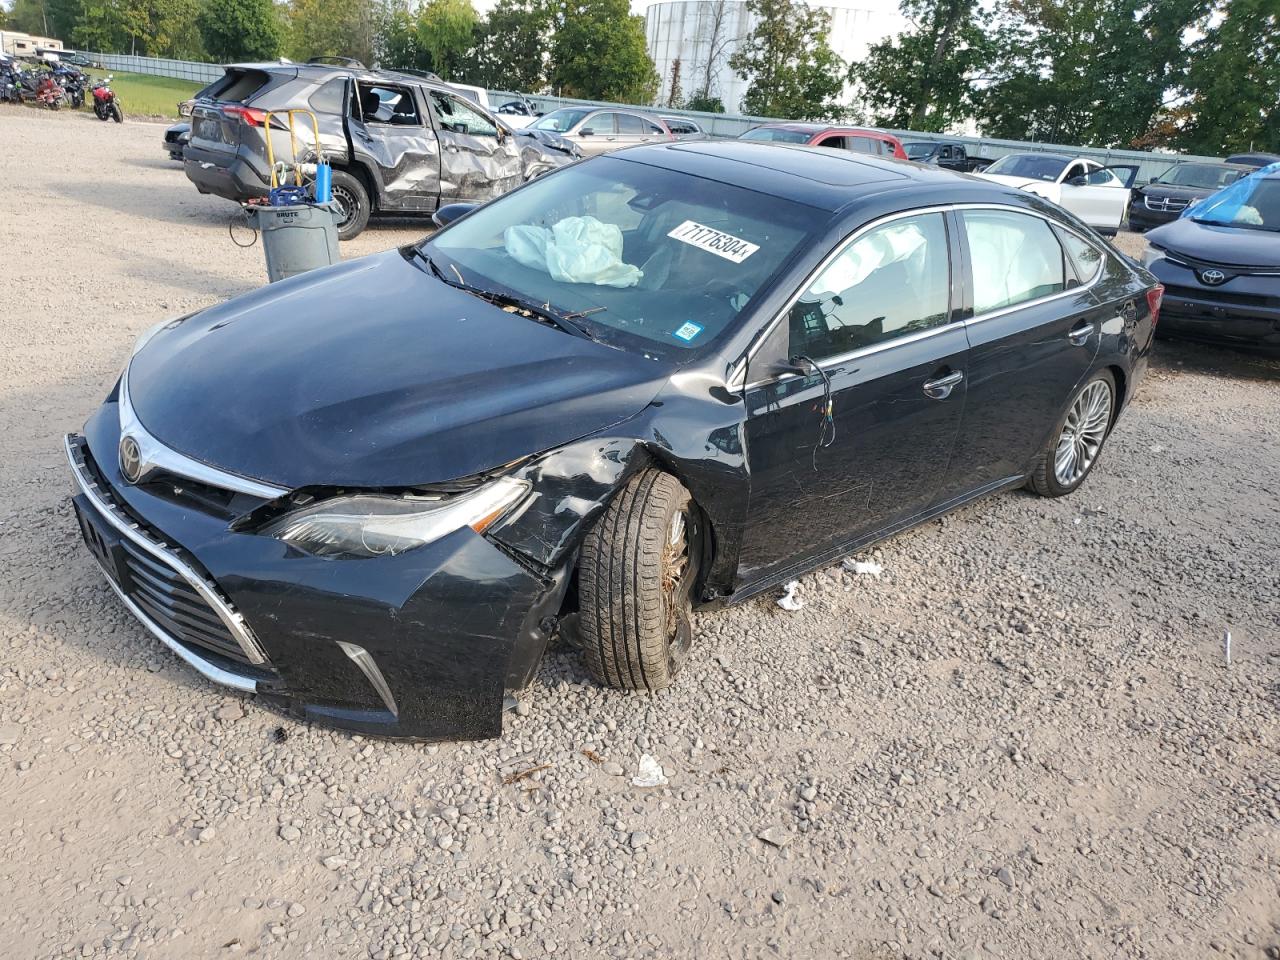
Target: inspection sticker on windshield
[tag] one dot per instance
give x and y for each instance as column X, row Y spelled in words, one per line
column 713, row 241
column 688, row 332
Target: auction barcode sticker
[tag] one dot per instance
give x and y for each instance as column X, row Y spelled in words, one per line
column 713, row 241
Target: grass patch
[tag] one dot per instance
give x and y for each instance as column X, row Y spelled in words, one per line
column 143, row 95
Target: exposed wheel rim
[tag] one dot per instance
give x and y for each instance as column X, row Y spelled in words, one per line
column 348, row 205
column 679, row 571
column 1083, row 433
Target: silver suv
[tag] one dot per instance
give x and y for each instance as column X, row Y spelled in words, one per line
column 399, row 143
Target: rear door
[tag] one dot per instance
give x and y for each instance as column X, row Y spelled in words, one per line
column 390, row 134
column 478, row 160
column 596, row 134
column 1033, row 336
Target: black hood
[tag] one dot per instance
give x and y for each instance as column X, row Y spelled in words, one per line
column 1229, row 246
column 375, row 374
column 1177, row 192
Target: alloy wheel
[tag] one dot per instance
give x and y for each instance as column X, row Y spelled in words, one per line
column 1083, row 433
column 347, row 205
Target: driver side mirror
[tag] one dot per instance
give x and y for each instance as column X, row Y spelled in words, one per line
column 1081, row 181
column 585, row 132
column 1154, row 180
column 798, row 366
column 451, row 212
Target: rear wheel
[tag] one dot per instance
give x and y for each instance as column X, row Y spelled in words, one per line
column 353, row 204
column 636, row 578
column 1075, row 446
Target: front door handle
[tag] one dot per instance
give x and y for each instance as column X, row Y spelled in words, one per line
column 1080, row 334
column 451, row 148
column 941, row 388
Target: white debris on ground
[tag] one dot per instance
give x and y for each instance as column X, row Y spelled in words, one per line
column 790, row 599
column 649, row 773
column 863, row 567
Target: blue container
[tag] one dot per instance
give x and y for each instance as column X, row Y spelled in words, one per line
column 324, row 183
column 286, row 196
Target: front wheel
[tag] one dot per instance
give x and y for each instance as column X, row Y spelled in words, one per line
column 1077, row 442
column 636, row 577
column 116, row 113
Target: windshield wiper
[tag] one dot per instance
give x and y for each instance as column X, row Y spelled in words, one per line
column 543, row 311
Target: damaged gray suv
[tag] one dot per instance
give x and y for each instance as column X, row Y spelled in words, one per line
column 399, row 143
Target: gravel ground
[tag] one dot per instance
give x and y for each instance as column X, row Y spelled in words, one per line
column 1022, row 740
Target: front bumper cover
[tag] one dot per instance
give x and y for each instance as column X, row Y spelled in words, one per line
column 1245, row 310
column 421, row 645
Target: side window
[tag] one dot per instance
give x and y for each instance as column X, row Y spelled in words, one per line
column 458, row 116
column 1086, row 258
column 864, row 145
column 835, row 143
column 893, row 280
column 383, row 103
column 653, row 128
column 631, row 125
column 1073, row 171
column 946, row 153
column 330, row 97
column 602, row 124
column 1102, row 177
column 1015, row 257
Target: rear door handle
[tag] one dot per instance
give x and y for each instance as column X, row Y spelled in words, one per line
column 941, row 388
column 1080, row 334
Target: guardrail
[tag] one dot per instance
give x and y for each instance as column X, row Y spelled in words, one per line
column 716, row 124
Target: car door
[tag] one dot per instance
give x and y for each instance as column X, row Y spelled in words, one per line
column 390, row 134
column 1033, row 334
column 478, row 160
column 877, row 319
column 1094, row 194
column 633, row 129
column 596, row 134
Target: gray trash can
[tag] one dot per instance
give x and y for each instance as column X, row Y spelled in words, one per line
column 297, row 237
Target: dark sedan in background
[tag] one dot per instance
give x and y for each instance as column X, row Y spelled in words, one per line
column 1166, row 196
column 1220, row 264
column 669, row 378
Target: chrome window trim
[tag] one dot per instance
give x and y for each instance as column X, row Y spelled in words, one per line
column 156, row 456
column 738, row 374
column 112, row 514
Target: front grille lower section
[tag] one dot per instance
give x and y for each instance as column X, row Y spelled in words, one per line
column 170, row 601
column 1218, row 295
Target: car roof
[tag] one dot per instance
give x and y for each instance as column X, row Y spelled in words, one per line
column 825, row 179
column 324, row 71
column 820, row 128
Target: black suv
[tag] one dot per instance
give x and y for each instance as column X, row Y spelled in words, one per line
column 399, row 143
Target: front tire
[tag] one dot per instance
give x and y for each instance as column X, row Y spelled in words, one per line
column 116, row 113
column 353, row 204
column 636, row 577
column 1073, row 449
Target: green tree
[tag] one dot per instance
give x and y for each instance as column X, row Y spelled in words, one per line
column 792, row 70
column 923, row 79
column 512, row 49
column 396, row 44
column 705, row 104
column 598, row 52
column 445, row 31
column 240, row 30
column 1233, row 81
column 1084, row 71
column 332, row 28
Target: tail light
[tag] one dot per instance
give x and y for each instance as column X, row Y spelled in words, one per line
column 250, row 116
column 1154, row 298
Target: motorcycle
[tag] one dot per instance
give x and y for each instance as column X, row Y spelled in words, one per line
column 42, row 88
column 10, row 87
column 105, row 104
column 73, row 83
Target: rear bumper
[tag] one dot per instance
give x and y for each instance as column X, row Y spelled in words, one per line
column 231, row 177
column 421, row 645
column 1244, row 311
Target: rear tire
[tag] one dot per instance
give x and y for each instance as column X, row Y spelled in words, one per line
column 353, row 203
column 1073, row 449
column 636, row 576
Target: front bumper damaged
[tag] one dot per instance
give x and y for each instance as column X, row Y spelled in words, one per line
column 420, row 645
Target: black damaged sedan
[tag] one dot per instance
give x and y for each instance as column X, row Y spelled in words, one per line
column 656, row 381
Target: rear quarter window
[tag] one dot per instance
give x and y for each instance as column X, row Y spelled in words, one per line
column 330, row 97
column 238, row 85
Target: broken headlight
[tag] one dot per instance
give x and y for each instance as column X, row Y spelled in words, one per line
column 377, row 525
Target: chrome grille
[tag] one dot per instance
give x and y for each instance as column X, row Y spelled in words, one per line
column 1165, row 204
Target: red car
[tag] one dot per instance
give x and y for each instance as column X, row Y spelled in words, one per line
column 857, row 139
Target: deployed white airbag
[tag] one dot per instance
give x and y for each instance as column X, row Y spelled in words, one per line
column 574, row 250
column 868, row 254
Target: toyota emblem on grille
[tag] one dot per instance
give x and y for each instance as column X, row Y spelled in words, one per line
column 130, row 459
column 1212, row 277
